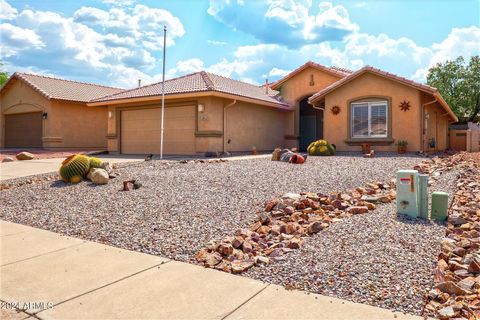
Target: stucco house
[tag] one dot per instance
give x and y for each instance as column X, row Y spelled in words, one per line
column 44, row 112
column 207, row 112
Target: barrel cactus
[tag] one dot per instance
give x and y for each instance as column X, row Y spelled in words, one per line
column 74, row 168
column 95, row 162
column 321, row 148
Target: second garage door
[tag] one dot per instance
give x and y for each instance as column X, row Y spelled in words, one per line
column 140, row 131
column 23, row 130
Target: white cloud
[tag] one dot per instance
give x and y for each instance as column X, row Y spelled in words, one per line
column 142, row 23
column 216, row 42
column 299, row 22
column 114, row 46
column 309, row 35
column 360, row 4
column 277, row 72
column 185, row 67
column 119, row 3
column 7, row 12
column 15, row 39
column 460, row 42
column 356, row 51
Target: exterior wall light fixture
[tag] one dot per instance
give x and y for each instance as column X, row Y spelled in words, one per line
column 44, row 116
column 201, row 108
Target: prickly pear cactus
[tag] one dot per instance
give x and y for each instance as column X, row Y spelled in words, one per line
column 321, row 148
column 74, row 168
column 95, row 162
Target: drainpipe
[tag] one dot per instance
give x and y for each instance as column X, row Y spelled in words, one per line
column 225, row 122
column 425, row 123
column 318, row 108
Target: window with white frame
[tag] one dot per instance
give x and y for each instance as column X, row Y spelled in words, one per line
column 369, row 119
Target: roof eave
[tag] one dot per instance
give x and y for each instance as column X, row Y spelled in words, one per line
column 20, row 78
column 278, row 105
column 445, row 106
column 311, row 64
column 322, row 93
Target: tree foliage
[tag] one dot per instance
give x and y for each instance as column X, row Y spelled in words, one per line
column 3, row 75
column 459, row 85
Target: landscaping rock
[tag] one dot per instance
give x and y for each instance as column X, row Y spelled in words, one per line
column 24, row 156
column 451, row 288
column 212, row 259
column 98, row 176
column 446, row 313
column 137, row 185
column 284, row 225
column 128, row 185
column 261, row 260
column 293, row 196
column 357, row 210
column 8, row 159
column 107, row 167
column 276, row 154
column 315, row 227
column 285, row 157
column 459, row 261
column 241, row 266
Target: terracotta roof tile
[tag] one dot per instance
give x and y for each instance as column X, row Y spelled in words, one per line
column 361, row 71
column 423, row 87
column 61, row 89
column 332, row 70
column 344, row 70
column 197, row 82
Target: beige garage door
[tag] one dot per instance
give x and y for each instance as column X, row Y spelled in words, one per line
column 140, row 131
column 23, row 130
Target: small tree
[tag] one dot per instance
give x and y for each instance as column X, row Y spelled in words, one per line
column 459, row 84
column 3, row 75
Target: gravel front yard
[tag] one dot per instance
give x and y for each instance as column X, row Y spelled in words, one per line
column 183, row 206
column 378, row 258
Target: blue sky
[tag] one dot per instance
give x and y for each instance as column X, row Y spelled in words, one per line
column 116, row 42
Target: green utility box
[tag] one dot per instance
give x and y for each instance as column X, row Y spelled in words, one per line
column 422, row 197
column 439, row 206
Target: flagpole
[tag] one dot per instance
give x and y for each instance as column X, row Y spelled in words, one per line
column 163, row 90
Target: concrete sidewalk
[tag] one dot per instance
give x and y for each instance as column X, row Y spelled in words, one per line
column 18, row 169
column 51, row 276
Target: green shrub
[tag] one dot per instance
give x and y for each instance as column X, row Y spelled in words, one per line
column 321, row 148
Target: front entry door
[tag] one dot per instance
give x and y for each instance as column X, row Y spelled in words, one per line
column 311, row 124
column 308, row 130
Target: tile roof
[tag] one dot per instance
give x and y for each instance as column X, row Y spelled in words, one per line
column 344, row 70
column 199, row 82
column 423, row 87
column 340, row 72
column 61, row 89
column 361, row 71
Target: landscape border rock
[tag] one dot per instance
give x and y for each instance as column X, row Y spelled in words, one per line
column 24, row 156
column 457, row 293
column 285, row 223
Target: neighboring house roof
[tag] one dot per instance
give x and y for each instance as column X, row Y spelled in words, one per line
column 61, row 89
column 198, row 82
column 340, row 72
column 422, row 87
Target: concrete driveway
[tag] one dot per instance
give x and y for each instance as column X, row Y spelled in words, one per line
column 18, row 169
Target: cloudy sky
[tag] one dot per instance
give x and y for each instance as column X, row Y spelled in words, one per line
column 117, row 42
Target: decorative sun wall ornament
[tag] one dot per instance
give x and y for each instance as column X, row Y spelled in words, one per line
column 335, row 109
column 405, row 105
